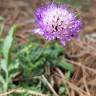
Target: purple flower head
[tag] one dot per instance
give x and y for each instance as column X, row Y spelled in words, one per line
column 56, row 21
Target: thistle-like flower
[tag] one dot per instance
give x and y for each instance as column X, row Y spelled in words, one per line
column 57, row 22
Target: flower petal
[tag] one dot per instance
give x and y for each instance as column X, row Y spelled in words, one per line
column 38, row 31
column 63, row 42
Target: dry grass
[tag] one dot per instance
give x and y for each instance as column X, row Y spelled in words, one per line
column 82, row 54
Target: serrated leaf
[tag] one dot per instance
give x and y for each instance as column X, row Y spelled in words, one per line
column 8, row 42
column 67, row 66
column 13, row 66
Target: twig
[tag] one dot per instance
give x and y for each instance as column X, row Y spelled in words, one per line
column 85, row 84
column 49, row 85
column 82, row 66
column 25, row 23
column 19, row 90
column 80, row 91
column 72, row 93
column 87, row 47
column 92, row 82
column 7, row 93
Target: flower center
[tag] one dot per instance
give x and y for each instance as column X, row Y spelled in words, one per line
column 57, row 20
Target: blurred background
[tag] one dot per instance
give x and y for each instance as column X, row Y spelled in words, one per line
column 82, row 55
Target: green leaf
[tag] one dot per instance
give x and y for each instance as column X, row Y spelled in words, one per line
column 62, row 90
column 13, row 66
column 64, row 1
column 4, row 84
column 68, row 75
column 8, row 42
column 2, row 80
column 67, row 66
column 3, row 66
column 1, row 18
column 12, row 75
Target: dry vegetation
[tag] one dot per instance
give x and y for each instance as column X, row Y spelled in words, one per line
column 82, row 54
